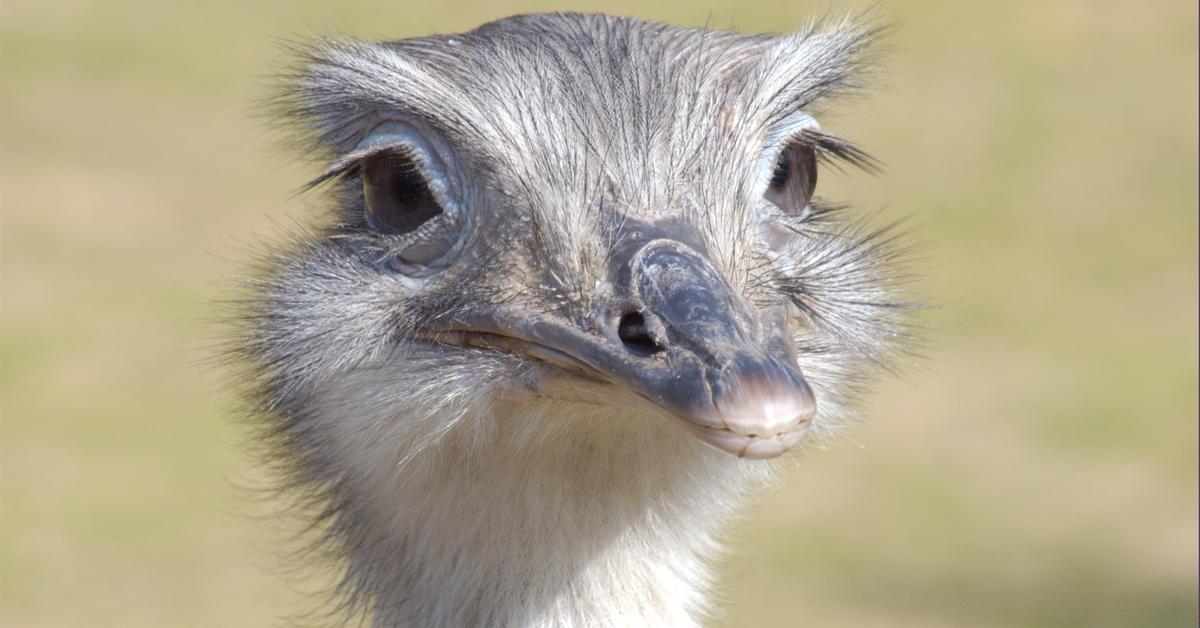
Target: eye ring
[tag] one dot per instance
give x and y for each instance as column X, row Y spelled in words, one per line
column 409, row 203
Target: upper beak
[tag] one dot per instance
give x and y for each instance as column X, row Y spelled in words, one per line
column 680, row 338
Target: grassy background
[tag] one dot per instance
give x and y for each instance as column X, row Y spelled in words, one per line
column 1039, row 471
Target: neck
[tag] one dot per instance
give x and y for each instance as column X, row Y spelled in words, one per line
column 546, row 514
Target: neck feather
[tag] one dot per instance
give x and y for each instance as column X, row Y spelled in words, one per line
column 540, row 514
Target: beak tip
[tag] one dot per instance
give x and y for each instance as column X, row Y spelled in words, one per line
column 751, row 447
column 764, row 448
column 766, row 411
column 760, row 420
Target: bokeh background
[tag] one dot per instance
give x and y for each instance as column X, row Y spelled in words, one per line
column 1039, row 468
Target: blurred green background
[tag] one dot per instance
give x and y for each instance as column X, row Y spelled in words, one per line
column 1039, row 469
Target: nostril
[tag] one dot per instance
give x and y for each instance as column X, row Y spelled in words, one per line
column 633, row 331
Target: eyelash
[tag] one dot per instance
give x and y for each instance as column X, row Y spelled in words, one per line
column 783, row 170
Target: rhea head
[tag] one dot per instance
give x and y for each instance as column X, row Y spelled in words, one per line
column 581, row 212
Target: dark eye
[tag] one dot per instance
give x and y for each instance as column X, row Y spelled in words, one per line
column 397, row 195
column 794, row 179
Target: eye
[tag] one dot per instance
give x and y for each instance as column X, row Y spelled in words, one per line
column 397, row 195
column 402, row 205
column 793, row 180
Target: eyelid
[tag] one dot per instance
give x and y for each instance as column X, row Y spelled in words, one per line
column 791, row 127
column 350, row 161
column 396, row 136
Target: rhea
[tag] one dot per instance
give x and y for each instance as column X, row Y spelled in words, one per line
column 572, row 292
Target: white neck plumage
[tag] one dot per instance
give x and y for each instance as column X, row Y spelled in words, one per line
column 542, row 514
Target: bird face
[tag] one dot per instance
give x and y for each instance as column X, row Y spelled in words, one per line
column 582, row 209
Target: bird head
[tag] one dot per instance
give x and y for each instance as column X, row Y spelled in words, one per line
column 579, row 210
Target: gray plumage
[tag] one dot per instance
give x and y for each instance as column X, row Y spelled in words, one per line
column 480, row 409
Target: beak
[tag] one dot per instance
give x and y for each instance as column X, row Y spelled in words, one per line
column 680, row 338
